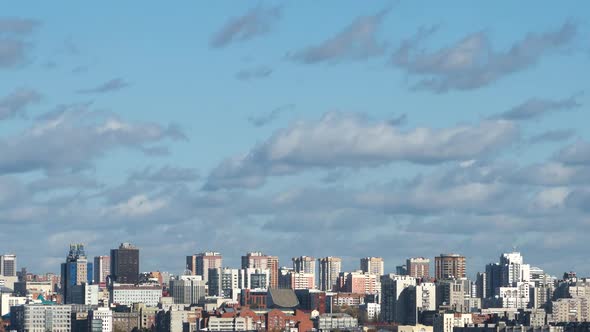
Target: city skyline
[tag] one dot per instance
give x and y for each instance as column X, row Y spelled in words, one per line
column 388, row 129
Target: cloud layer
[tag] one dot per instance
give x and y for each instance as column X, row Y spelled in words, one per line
column 257, row 21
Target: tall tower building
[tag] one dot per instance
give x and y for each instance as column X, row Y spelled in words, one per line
column 257, row 260
column 304, row 264
column 199, row 264
column 74, row 272
column 8, row 265
column 102, row 268
column 418, row 267
column 449, row 266
column 513, row 269
column 125, row 264
column 330, row 268
column 372, row 265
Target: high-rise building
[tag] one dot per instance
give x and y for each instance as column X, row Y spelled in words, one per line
column 125, row 264
column 396, row 297
column 257, row 260
column 8, row 265
column 199, row 264
column 188, row 289
column 418, row 267
column 330, row 268
column 74, row 272
column 513, row 269
column 359, row 282
column 254, row 278
column 493, row 279
column 448, row 266
column 373, row 265
column 102, row 268
column 304, row 264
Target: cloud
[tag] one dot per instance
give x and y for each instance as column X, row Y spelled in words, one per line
column 14, row 46
column 16, row 103
column 266, row 118
column 536, row 107
column 553, row 136
column 73, row 136
column 399, row 120
column 346, row 140
column 112, row 85
column 472, row 62
column 165, row 174
column 357, row 41
column 577, row 153
column 257, row 21
column 254, row 73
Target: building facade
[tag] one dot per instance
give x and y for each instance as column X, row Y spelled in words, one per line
column 125, row 264
column 329, row 270
column 448, row 266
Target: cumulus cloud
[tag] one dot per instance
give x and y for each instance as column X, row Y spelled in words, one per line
column 473, row 62
column 254, row 73
column 14, row 46
column 346, row 140
column 112, row 85
column 16, row 103
column 72, row 136
column 266, row 118
column 536, row 107
column 257, row 21
column 357, row 41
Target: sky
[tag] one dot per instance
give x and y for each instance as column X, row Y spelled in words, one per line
column 350, row 128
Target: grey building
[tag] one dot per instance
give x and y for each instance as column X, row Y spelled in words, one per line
column 125, row 264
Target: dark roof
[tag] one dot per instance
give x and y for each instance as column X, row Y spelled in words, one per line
column 282, row 298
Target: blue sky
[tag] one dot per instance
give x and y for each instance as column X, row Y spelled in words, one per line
column 346, row 128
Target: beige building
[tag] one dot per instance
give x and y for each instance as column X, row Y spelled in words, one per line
column 448, row 266
column 418, row 267
column 373, row 265
column 330, row 268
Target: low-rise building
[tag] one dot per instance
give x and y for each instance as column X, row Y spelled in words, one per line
column 38, row 317
column 128, row 294
column 340, row 321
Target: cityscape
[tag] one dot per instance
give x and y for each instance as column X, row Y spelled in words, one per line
column 294, row 166
column 109, row 293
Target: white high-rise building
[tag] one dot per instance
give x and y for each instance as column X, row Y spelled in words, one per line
column 102, row 268
column 513, row 269
column 188, row 289
column 395, row 299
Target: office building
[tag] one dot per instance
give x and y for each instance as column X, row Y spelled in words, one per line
column 8, row 265
column 125, row 264
column 359, row 282
column 38, row 317
column 448, row 266
column 75, row 271
column 199, row 264
column 128, row 294
column 418, row 267
column 330, row 268
column 373, row 265
column 102, row 269
column 258, row 260
column 104, row 315
column 188, row 289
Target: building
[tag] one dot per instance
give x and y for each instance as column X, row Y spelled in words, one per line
column 372, row 310
column 260, row 261
column 516, row 297
column 568, row 310
column 230, row 324
column 105, row 315
column 359, row 282
column 125, row 264
column 8, row 265
column 297, row 280
column 373, row 265
column 102, row 269
column 448, row 266
column 331, row 322
column 38, row 317
column 493, row 279
column 513, row 269
column 128, row 294
column 446, row 322
column 188, row 289
column 304, row 264
column 252, row 278
column 199, row 264
column 418, row 267
column 74, row 272
column 8, row 300
column 396, row 298
column 330, row 268
column 84, row 294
